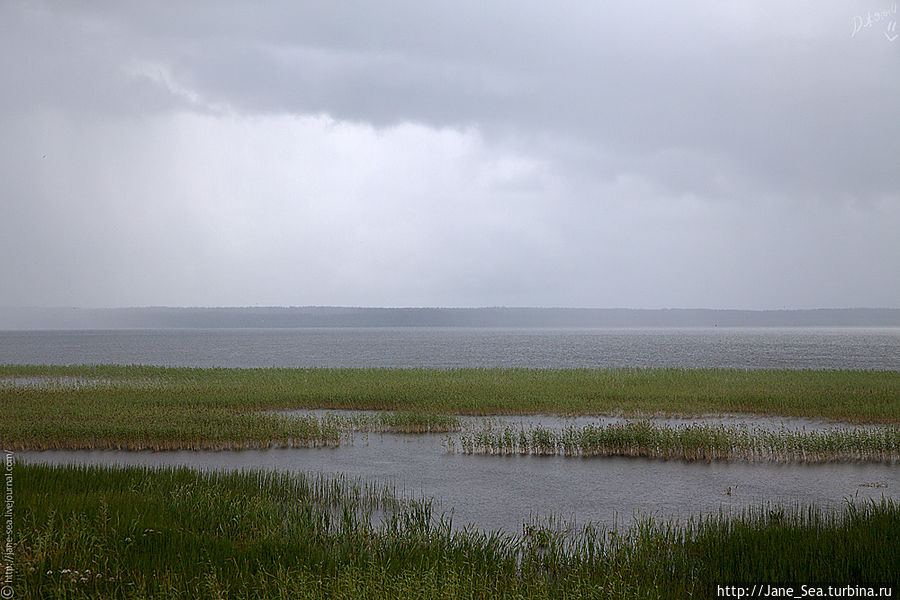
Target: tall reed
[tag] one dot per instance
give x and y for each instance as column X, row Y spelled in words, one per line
column 686, row 442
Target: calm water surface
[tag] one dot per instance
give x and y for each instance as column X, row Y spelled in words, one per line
column 503, row 492
column 764, row 348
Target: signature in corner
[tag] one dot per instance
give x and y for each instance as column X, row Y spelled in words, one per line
column 871, row 18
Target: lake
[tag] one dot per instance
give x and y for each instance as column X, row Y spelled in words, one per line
column 740, row 348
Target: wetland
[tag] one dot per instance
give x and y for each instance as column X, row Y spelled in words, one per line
column 448, row 482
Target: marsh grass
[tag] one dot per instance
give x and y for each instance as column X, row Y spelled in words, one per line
column 107, row 532
column 685, row 442
column 249, row 432
column 142, row 407
column 392, row 422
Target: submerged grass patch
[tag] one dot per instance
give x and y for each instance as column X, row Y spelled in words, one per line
column 138, row 407
column 88, row 532
column 687, row 442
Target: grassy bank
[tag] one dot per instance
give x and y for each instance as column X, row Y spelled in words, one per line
column 148, row 407
column 692, row 442
column 176, row 533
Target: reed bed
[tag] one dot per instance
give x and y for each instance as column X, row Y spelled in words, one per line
column 113, row 532
column 685, row 442
column 266, row 431
column 141, row 407
column 394, row 422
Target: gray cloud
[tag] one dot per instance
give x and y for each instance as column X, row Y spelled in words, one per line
column 644, row 154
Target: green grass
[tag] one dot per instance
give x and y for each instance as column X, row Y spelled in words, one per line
column 689, row 442
column 105, row 532
column 139, row 407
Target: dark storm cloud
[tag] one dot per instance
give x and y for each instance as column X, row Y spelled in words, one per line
column 777, row 93
column 757, row 141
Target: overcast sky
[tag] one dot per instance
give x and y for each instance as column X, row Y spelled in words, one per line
column 593, row 154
